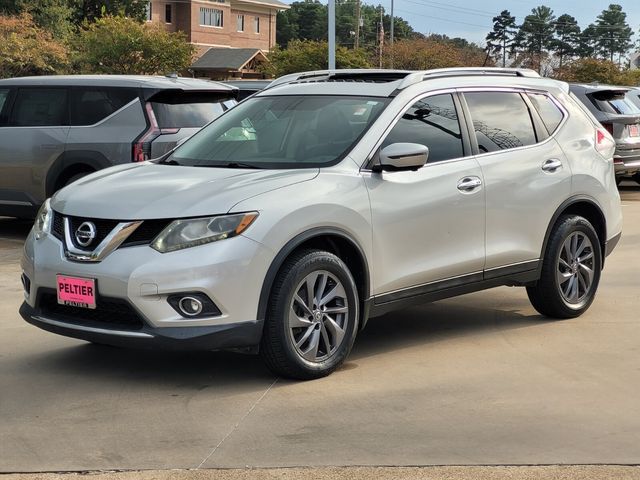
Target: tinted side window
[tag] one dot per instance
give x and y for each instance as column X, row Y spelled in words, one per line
column 91, row 105
column 4, row 96
column 40, row 107
column 549, row 111
column 433, row 122
column 501, row 120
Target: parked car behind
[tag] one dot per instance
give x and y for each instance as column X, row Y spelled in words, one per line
column 54, row 130
column 327, row 199
column 246, row 88
column 618, row 110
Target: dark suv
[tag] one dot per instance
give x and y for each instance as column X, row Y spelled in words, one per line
column 54, row 130
column 619, row 113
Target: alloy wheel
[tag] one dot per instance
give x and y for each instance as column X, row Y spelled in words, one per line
column 318, row 316
column 575, row 271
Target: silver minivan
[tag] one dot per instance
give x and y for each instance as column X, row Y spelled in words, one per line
column 327, row 199
column 54, row 130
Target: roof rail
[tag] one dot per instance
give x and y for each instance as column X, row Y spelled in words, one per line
column 408, row 77
column 417, row 77
column 353, row 72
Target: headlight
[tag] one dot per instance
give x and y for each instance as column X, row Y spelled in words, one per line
column 43, row 218
column 198, row 231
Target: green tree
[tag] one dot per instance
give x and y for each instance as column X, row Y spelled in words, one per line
column 53, row 15
column 566, row 40
column 26, row 49
column 536, row 34
column 614, row 33
column 587, row 46
column 587, row 70
column 121, row 45
column 501, row 39
column 90, row 10
column 304, row 55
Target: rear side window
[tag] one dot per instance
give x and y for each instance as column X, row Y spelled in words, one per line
column 614, row 101
column 40, row 107
column 4, row 96
column 187, row 110
column 433, row 122
column 91, row 105
column 501, row 120
column 549, row 112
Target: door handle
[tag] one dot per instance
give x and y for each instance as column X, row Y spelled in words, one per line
column 551, row 165
column 468, row 184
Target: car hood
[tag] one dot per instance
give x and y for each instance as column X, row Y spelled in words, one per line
column 146, row 191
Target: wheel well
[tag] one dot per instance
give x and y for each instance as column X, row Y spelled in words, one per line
column 340, row 246
column 70, row 172
column 347, row 252
column 592, row 213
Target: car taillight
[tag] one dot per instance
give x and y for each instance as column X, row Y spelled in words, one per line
column 142, row 146
column 605, row 143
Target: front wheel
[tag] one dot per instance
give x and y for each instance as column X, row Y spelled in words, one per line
column 570, row 270
column 312, row 318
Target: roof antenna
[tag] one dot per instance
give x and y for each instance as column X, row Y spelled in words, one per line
column 173, row 76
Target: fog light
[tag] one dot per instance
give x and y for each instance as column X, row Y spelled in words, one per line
column 190, row 306
column 193, row 305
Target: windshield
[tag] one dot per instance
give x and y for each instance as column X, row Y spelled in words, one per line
column 282, row 132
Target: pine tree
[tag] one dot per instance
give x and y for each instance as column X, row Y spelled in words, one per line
column 614, row 33
column 501, row 38
column 536, row 33
column 567, row 37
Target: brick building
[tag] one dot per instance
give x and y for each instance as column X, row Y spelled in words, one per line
column 242, row 24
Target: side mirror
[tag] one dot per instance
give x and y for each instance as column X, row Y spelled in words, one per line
column 403, row 156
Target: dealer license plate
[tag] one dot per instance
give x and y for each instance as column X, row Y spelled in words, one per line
column 634, row 131
column 76, row 292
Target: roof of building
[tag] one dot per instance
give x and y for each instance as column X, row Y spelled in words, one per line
column 226, row 58
column 150, row 81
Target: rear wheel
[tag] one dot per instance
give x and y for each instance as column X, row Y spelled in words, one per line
column 636, row 177
column 312, row 318
column 570, row 270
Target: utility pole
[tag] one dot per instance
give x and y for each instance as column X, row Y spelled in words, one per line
column 357, row 44
column 332, row 34
column 391, row 34
column 380, row 38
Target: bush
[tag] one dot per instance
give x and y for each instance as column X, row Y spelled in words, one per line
column 425, row 54
column 120, row 45
column 26, row 49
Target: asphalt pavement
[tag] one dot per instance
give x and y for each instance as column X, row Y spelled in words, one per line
column 477, row 380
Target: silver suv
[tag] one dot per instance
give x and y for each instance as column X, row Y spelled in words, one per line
column 54, row 130
column 325, row 200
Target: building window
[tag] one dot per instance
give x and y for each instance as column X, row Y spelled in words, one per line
column 168, row 13
column 240, row 23
column 211, row 17
column 148, row 9
column 256, row 22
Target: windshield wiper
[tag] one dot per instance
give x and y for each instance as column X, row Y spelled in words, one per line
column 233, row 165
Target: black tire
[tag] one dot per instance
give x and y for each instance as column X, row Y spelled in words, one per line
column 636, row 177
column 548, row 295
column 278, row 347
column 619, row 181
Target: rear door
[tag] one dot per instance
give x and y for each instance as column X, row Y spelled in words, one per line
column 526, row 175
column 33, row 137
column 180, row 114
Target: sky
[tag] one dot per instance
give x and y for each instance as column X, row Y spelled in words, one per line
column 473, row 19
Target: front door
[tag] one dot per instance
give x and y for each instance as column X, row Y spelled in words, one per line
column 428, row 225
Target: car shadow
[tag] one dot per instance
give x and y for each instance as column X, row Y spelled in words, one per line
column 14, row 228
column 436, row 322
column 191, row 371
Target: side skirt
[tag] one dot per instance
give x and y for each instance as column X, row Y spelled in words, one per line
column 520, row 274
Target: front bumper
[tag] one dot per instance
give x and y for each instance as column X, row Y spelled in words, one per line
column 220, row 337
column 229, row 272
